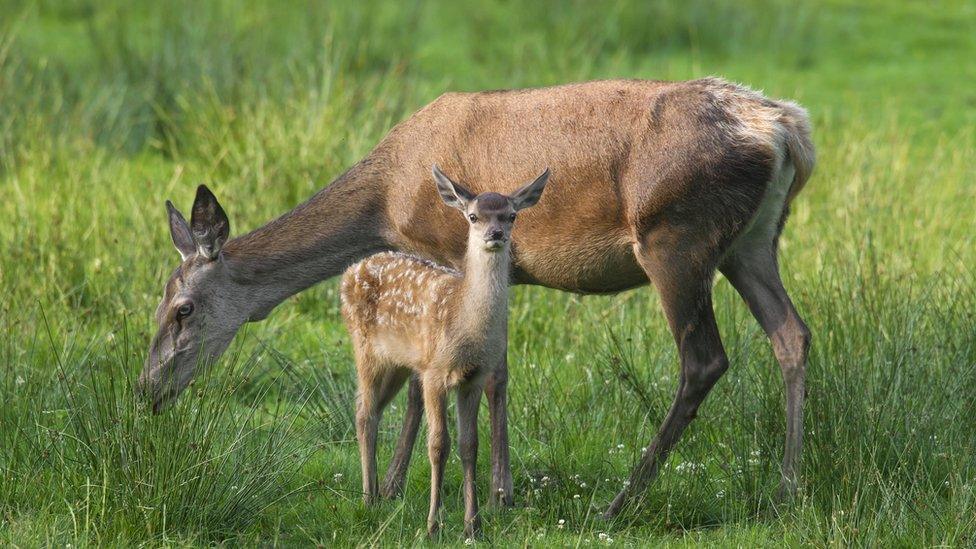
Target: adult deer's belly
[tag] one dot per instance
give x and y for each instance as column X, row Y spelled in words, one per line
column 578, row 261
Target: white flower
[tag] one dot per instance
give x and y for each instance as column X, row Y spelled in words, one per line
column 469, row 541
column 689, row 466
column 561, row 523
column 19, row 381
column 576, row 496
column 337, row 477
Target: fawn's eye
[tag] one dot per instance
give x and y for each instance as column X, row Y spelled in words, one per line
column 184, row 311
column 512, row 217
column 472, row 217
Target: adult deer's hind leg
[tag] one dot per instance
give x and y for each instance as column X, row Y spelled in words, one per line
column 683, row 277
column 396, row 473
column 754, row 273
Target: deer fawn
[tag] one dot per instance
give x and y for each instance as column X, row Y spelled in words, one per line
column 407, row 315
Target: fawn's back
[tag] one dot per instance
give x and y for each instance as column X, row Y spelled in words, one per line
column 397, row 307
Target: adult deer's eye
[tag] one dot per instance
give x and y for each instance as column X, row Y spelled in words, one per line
column 511, row 217
column 472, row 217
column 184, row 311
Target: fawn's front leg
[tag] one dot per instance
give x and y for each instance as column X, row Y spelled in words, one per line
column 496, row 389
column 438, row 448
column 468, row 402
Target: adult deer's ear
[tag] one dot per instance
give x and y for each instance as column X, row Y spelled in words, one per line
column 209, row 223
column 531, row 193
column 179, row 230
column 453, row 194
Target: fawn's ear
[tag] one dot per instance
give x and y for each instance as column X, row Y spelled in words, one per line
column 453, row 194
column 208, row 223
column 179, row 230
column 531, row 193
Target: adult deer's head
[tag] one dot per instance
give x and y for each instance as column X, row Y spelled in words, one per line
column 202, row 307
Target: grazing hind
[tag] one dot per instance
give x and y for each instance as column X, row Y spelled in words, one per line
column 408, row 316
column 654, row 182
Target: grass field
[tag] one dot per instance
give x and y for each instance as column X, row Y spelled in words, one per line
column 109, row 108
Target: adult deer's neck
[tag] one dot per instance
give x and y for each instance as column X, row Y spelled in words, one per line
column 339, row 225
column 485, row 288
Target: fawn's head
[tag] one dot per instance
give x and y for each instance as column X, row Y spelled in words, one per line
column 490, row 215
column 202, row 307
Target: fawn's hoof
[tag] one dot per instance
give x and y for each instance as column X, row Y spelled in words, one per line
column 433, row 528
column 501, row 497
column 472, row 528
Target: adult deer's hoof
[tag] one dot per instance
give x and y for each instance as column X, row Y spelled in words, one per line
column 391, row 489
column 615, row 506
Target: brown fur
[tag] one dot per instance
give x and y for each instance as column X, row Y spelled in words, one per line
column 409, row 316
column 652, row 181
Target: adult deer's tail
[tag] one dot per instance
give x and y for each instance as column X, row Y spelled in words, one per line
column 799, row 145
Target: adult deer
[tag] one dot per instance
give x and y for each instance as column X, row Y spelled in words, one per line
column 651, row 181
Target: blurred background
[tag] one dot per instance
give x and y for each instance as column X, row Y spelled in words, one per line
column 107, row 108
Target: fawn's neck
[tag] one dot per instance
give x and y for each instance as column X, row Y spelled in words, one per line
column 485, row 288
column 338, row 226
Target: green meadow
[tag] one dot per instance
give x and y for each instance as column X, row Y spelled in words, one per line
column 107, row 108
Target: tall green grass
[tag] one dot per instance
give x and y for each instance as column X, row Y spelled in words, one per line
column 79, row 445
column 108, row 108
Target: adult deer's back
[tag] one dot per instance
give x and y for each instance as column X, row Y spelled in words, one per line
column 629, row 155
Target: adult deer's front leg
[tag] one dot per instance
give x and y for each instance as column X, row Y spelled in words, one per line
column 396, row 473
column 501, row 468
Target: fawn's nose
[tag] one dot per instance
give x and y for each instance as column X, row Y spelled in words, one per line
column 496, row 234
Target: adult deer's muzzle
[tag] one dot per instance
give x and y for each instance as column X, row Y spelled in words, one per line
column 163, row 377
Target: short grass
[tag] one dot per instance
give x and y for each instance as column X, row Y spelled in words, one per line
column 108, row 108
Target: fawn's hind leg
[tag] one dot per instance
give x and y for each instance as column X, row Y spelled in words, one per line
column 375, row 392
